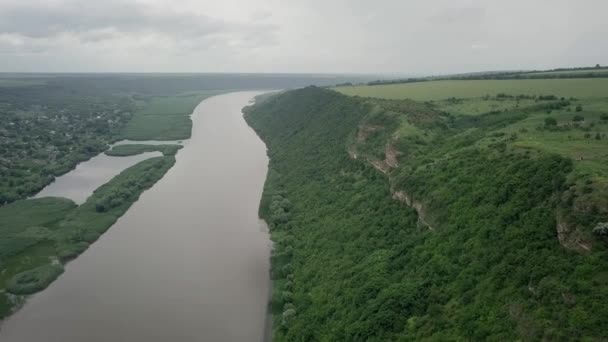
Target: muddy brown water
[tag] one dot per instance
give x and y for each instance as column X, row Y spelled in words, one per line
column 80, row 183
column 188, row 262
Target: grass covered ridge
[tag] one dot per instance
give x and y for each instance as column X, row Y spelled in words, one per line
column 37, row 236
column 497, row 242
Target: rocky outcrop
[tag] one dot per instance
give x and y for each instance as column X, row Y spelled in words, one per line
column 390, row 155
column 570, row 237
column 385, row 166
column 365, row 131
column 403, row 197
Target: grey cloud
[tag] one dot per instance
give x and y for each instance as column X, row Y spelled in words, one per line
column 99, row 20
column 469, row 15
column 382, row 36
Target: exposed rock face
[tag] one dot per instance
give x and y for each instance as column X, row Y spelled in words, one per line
column 569, row 237
column 403, row 197
column 365, row 131
column 390, row 155
column 385, row 166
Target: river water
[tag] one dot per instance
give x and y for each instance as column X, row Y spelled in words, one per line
column 188, row 262
column 80, row 183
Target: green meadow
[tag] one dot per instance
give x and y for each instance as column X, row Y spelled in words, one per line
column 164, row 117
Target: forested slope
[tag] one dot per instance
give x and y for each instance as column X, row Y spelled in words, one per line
column 395, row 221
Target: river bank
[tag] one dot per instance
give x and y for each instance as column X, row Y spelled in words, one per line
column 188, row 254
column 43, row 232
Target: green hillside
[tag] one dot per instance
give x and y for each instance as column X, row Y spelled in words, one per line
column 403, row 220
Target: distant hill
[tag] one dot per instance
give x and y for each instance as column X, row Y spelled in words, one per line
column 581, row 72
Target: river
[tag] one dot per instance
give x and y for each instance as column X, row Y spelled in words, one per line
column 80, row 183
column 188, row 262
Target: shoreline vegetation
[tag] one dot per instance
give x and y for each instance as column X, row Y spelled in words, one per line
column 468, row 218
column 134, row 149
column 41, row 235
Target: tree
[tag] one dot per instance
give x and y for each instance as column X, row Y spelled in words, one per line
column 601, row 229
column 577, row 118
column 579, row 108
column 288, row 316
column 597, row 66
column 550, row 122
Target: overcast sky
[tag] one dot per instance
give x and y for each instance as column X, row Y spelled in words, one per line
column 328, row 36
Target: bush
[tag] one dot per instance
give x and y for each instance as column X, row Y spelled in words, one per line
column 579, row 108
column 70, row 251
column 34, row 280
column 550, row 122
column 288, row 316
column 601, row 229
column 287, row 296
column 578, row 118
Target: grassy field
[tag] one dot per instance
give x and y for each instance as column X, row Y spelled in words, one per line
column 133, row 149
column 164, row 117
column 585, row 141
column 476, row 106
column 441, row 90
column 38, row 235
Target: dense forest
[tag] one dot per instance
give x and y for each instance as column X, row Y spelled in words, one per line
column 394, row 220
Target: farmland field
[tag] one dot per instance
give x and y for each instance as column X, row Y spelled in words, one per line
column 439, row 90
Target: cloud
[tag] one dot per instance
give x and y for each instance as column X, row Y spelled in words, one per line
column 94, row 21
column 469, row 14
column 385, row 36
